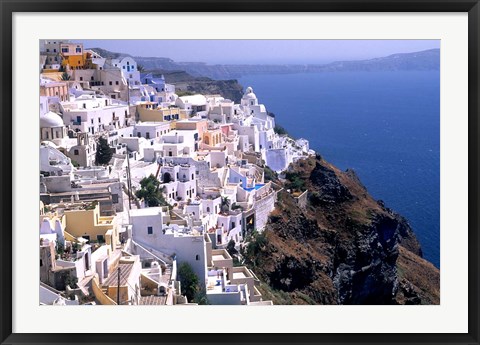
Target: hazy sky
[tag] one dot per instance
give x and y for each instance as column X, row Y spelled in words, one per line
column 262, row 51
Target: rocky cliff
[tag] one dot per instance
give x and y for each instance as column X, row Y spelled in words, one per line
column 343, row 247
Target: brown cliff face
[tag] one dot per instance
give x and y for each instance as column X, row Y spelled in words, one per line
column 342, row 248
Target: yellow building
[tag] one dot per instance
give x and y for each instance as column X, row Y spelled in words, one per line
column 213, row 137
column 87, row 223
column 148, row 112
column 55, row 89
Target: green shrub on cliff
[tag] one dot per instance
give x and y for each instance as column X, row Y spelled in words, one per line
column 295, row 182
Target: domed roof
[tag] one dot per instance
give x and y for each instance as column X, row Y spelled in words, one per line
column 50, row 120
column 249, row 93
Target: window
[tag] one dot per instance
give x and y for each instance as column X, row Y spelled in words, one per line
column 48, row 50
column 208, row 209
column 233, row 225
column 116, row 82
column 81, row 78
column 41, row 262
column 150, row 230
column 99, row 120
column 110, row 82
column 91, row 78
column 75, row 152
column 91, row 121
column 54, row 50
column 197, row 257
column 100, row 239
column 65, row 50
column 78, row 50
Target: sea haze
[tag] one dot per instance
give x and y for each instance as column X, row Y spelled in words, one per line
column 384, row 125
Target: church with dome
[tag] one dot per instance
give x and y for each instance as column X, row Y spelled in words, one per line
column 52, row 128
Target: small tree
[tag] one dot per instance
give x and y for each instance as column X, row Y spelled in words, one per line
column 225, row 204
column 104, row 152
column 188, row 281
column 231, row 248
column 71, row 281
column 65, row 76
column 280, row 130
column 150, row 192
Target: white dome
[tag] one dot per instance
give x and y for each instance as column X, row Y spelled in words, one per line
column 249, row 93
column 50, row 120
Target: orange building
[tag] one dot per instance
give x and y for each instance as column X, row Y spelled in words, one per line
column 73, row 55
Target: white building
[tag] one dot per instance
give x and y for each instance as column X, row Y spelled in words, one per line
column 129, row 69
column 52, row 128
column 179, row 182
column 92, row 114
column 188, row 245
column 193, row 104
column 151, row 130
column 54, row 162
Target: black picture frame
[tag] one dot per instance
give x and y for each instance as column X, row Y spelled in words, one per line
column 8, row 7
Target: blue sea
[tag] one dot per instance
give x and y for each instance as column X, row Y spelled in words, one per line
column 384, row 125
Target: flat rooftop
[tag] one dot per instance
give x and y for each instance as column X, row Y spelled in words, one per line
column 240, row 275
column 81, row 191
column 125, row 270
column 153, row 124
column 148, row 211
column 153, row 300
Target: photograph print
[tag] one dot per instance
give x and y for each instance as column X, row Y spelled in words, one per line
column 239, row 172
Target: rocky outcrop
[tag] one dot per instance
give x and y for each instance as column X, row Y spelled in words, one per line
column 343, row 248
column 229, row 89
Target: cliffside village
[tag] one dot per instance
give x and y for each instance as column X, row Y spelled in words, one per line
column 99, row 242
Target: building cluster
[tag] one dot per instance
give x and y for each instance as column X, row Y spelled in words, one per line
column 99, row 243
